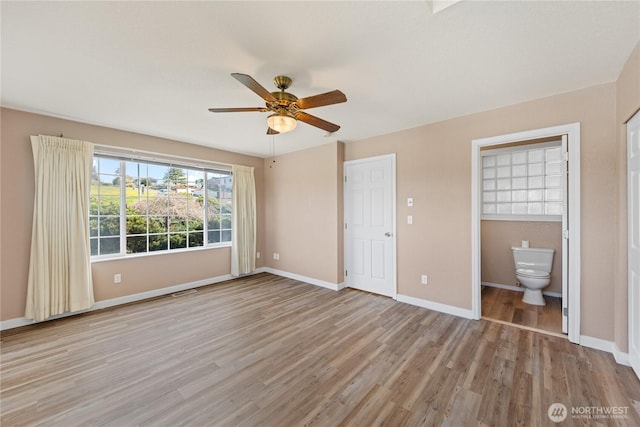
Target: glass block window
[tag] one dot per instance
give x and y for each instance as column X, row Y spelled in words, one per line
column 523, row 183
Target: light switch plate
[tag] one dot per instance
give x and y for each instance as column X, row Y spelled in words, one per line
column 409, row 201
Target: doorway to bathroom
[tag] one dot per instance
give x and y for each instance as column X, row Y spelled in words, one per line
column 525, row 193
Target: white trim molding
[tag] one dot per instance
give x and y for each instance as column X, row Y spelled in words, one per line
column 436, row 306
column 608, row 346
column 305, row 279
column 22, row 321
column 595, row 343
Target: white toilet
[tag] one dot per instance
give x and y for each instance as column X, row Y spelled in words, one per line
column 533, row 271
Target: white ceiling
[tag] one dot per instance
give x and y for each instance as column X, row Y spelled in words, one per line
column 155, row 67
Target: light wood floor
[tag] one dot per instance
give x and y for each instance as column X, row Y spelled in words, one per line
column 270, row 351
column 507, row 306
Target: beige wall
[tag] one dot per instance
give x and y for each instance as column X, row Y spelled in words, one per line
column 138, row 274
column 627, row 103
column 300, row 202
column 434, row 167
column 497, row 239
column 303, row 201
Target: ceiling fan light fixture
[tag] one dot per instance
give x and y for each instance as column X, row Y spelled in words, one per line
column 287, row 108
column 281, row 123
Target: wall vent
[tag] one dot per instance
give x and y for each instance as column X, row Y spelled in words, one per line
column 183, row 293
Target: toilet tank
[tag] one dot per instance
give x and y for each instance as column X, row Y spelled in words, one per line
column 533, row 258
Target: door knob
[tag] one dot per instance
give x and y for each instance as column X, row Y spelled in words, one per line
column 387, row 234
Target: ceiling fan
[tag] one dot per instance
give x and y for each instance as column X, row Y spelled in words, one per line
column 286, row 107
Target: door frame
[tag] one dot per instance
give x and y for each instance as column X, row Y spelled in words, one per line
column 394, row 240
column 633, row 314
column 572, row 131
column 565, row 238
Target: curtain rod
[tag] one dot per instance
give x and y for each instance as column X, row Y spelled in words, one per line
column 112, row 149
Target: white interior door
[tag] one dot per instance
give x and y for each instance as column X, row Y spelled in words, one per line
column 633, row 213
column 369, row 206
column 565, row 239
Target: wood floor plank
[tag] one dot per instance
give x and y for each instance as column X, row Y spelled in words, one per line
column 270, row 351
column 507, row 306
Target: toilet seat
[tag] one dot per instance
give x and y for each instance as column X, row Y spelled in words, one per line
column 527, row 272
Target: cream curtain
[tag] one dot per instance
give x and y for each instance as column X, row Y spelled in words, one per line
column 59, row 267
column 243, row 223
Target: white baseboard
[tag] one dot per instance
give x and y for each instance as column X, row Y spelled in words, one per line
column 608, row 346
column 162, row 291
column 443, row 308
column 22, row 321
column 519, row 289
column 15, row 323
column 436, row 306
column 310, row 280
column 621, row 357
column 591, row 342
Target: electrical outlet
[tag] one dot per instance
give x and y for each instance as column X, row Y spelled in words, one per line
column 409, row 219
column 117, row 278
column 258, row 255
column 424, row 280
column 275, row 255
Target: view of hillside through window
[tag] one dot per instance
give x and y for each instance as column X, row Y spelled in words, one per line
column 143, row 206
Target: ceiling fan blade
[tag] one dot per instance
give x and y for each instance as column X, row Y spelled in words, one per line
column 272, row 131
column 237, row 110
column 316, row 121
column 333, row 97
column 249, row 82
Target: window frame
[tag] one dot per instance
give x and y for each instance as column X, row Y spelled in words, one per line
column 225, row 171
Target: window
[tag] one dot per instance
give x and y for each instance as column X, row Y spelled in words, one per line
column 523, row 183
column 140, row 206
